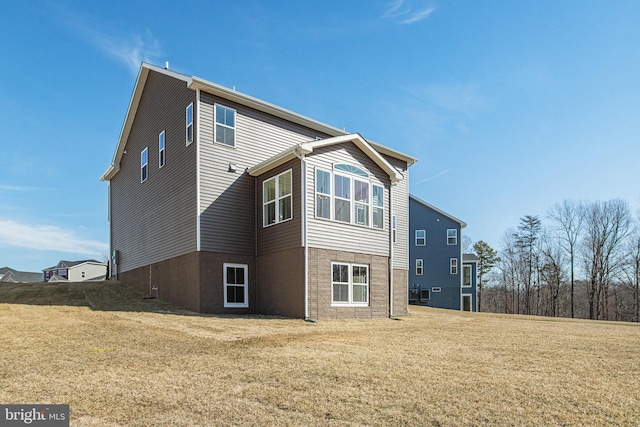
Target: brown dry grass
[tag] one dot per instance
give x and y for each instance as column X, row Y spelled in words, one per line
column 119, row 359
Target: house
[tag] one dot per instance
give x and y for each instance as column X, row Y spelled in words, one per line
column 440, row 274
column 76, row 271
column 224, row 203
column 9, row 275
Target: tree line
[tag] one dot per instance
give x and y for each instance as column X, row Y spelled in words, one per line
column 583, row 261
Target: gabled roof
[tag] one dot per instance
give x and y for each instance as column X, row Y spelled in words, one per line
column 10, row 275
column 69, row 264
column 308, row 147
column 443, row 213
column 195, row 83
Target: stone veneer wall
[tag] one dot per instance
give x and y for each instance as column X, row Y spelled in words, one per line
column 320, row 285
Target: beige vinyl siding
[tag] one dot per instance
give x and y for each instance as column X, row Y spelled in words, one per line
column 329, row 234
column 287, row 234
column 227, row 200
column 156, row 220
column 400, row 199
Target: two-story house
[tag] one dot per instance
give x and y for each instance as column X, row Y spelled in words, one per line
column 76, row 271
column 224, row 203
column 440, row 275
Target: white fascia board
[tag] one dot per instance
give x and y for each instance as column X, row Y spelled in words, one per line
column 361, row 143
column 441, row 212
column 277, row 160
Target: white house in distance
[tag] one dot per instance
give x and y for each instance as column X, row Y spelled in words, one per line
column 76, row 271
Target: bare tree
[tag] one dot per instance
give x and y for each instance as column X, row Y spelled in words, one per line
column 552, row 255
column 632, row 271
column 568, row 219
column 607, row 225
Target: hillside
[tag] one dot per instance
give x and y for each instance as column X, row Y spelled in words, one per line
column 120, row 359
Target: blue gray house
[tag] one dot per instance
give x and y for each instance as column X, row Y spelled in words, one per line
column 440, row 275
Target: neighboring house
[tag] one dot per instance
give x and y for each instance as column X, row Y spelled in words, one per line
column 76, row 271
column 439, row 274
column 224, row 203
column 14, row 276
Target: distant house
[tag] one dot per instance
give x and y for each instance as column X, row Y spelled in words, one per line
column 440, row 275
column 224, row 203
column 10, row 275
column 76, row 271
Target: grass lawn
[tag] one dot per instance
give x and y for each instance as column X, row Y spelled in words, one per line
column 118, row 359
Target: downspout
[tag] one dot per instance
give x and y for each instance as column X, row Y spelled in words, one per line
column 197, row 141
column 391, row 250
column 303, row 184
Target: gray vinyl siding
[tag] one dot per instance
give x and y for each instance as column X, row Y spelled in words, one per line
column 400, row 200
column 156, row 220
column 287, row 234
column 329, row 234
column 227, row 200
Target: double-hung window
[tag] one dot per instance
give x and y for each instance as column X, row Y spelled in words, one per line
column 350, row 284
column 225, row 125
column 348, row 195
column 342, row 185
column 419, row 267
column 161, row 156
column 144, row 164
column 453, row 265
column 236, row 288
column 452, row 236
column 189, row 123
column 277, row 198
column 323, row 194
column 421, row 237
column 466, row 276
column 378, row 206
column 361, row 202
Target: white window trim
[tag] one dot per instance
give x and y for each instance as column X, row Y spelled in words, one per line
column 350, row 303
column 189, row 124
column 277, row 199
column 453, row 264
column 352, row 202
column 419, row 267
column 162, row 160
column 464, row 267
column 216, row 124
column 246, row 285
column 330, row 194
column 455, row 237
column 425, row 238
column 144, row 165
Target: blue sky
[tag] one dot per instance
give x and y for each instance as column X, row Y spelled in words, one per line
column 510, row 106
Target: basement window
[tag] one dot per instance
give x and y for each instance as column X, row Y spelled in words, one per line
column 349, row 284
column 236, row 287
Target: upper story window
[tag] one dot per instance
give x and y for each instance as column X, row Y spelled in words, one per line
column 453, row 265
column 323, row 194
column 419, row 267
column 189, row 123
column 144, row 164
column 393, row 228
column 421, row 237
column 452, row 236
column 466, row 275
column 225, row 131
column 161, row 157
column 349, row 199
column 277, row 198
